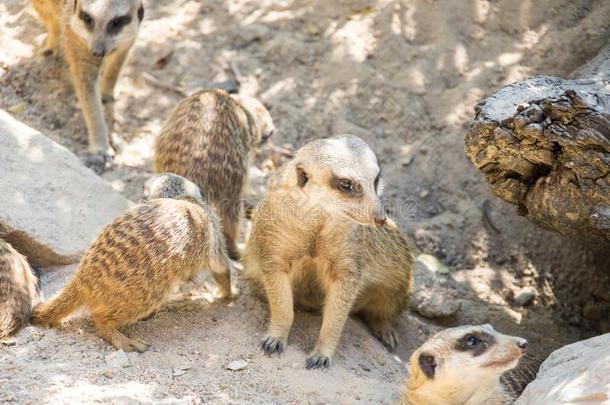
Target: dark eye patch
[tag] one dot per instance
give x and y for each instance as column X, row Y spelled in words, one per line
column 475, row 342
column 141, row 13
column 377, row 180
column 346, row 186
column 116, row 24
column 87, row 19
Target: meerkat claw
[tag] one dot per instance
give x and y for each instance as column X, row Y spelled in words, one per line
column 272, row 345
column 316, row 361
column 98, row 162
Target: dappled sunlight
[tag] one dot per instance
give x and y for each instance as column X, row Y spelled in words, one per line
column 405, row 76
column 63, row 389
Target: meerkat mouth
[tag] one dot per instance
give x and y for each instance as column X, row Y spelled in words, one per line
column 355, row 218
column 507, row 363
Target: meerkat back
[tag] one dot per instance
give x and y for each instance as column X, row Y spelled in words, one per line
column 208, row 138
column 129, row 271
column 18, row 290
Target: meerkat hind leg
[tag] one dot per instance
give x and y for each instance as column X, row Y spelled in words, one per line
column 51, row 46
column 221, row 272
column 108, row 331
column 382, row 329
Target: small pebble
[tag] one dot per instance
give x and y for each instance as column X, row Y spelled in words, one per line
column 237, row 365
column 117, row 359
column 524, row 297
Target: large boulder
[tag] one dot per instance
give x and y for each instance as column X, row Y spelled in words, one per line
column 51, row 206
column 575, row 374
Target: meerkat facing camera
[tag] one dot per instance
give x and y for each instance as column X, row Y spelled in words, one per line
column 468, row 365
column 96, row 36
column 137, row 260
column 19, row 288
column 320, row 239
column 209, row 139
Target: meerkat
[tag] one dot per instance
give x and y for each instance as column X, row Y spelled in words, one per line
column 320, row 238
column 19, row 289
column 96, row 36
column 469, row 365
column 209, row 139
column 137, row 260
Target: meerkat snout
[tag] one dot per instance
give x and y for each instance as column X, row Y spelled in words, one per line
column 262, row 118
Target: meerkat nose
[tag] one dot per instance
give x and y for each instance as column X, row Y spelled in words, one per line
column 522, row 343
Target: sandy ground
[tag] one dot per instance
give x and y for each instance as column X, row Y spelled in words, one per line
column 404, row 75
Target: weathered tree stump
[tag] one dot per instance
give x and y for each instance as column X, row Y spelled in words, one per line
column 543, row 144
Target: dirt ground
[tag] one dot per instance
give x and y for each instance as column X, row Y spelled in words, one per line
column 404, row 75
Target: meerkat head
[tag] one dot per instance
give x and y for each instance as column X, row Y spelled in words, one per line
column 106, row 24
column 340, row 175
column 262, row 119
column 462, row 365
column 169, row 185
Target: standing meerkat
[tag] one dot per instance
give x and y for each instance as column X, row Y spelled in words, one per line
column 137, row 260
column 320, row 239
column 469, row 365
column 96, row 36
column 209, row 139
column 19, row 288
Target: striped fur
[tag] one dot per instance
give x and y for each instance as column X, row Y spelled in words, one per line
column 18, row 289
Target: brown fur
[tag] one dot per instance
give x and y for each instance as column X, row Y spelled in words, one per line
column 61, row 18
column 18, row 290
column 303, row 251
column 130, row 269
column 208, row 138
column 494, row 375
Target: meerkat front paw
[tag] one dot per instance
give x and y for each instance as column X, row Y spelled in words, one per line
column 108, row 98
column 49, row 52
column 317, row 360
column 272, row 345
column 98, row 162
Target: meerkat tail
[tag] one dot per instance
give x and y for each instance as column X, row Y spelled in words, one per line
column 11, row 323
column 50, row 313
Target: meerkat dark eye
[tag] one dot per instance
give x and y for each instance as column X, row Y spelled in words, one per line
column 346, row 185
column 116, row 24
column 376, row 184
column 472, row 341
column 87, row 19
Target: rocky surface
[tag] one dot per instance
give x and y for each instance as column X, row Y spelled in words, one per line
column 575, row 374
column 52, row 206
column 543, row 144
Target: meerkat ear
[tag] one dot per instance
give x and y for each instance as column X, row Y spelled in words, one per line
column 302, row 176
column 427, row 363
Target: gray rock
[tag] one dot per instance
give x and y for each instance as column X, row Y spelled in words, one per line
column 525, row 297
column 52, row 206
column 431, row 298
column 237, row 365
column 117, row 359
column 575, row 374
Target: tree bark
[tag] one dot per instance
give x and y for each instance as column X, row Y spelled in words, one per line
column 543, row 144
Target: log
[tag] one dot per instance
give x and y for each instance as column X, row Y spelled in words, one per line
column 543, row 144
